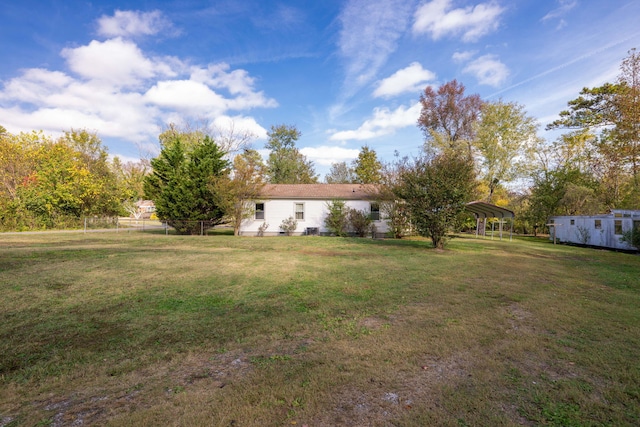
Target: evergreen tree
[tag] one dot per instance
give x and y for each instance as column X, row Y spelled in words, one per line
column 180, row 185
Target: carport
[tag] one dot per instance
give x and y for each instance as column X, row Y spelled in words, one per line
column 484, row 210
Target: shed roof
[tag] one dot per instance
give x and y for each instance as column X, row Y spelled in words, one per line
column 319, row 191
column 487, row 210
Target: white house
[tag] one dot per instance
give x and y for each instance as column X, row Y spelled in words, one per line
column 596, row 230
column 308, row 205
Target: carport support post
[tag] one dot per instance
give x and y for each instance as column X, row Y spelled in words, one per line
column 511, row 230
column 477, row 225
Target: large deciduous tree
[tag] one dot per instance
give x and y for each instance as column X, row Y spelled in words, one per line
column 435, row 190
column 627, row 103
column 448, row 117
column 229, row 137
column 180, row 185
column 286, row 165
column 505, row 140
column 611, row 112
column 563, row 181
column 340, row 173
column 236, row 194
column 366, row 167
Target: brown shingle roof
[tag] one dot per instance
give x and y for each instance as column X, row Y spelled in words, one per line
column 319, row 191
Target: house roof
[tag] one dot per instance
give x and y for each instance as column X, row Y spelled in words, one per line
column 319, row 191
column 487, row 210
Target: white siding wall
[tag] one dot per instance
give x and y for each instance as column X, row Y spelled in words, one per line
column 315, row 211
column 585, row 227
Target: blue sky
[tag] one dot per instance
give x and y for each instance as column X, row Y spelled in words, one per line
column 345, row 73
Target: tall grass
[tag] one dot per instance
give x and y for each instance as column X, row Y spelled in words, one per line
column 131, row 329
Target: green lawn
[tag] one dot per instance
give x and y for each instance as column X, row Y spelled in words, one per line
column 132, row 329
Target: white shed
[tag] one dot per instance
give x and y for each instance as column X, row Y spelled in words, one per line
column 308, row 205
column 596, row 230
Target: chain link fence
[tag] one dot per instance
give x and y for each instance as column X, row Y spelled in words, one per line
column 179, row 226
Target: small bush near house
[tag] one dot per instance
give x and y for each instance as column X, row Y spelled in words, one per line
column 336, row 220
column 262, row 229
column 360, row 222
column 289, row 225
column 632, row 237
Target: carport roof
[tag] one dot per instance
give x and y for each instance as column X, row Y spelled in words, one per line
column 487, row 210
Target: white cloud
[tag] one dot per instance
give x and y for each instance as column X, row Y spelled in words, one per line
column 218, row 75
column 438, row 19
column 236, row 82
column 239, row 124
column 125, row 23
column 488, row 70
column 36, row 85
column 116, row 62
column 564, row 6
column 280, row 18
column 114, row 88
column 326, row 155
column 409, row 79
column 463, row 56
column 383, row 122
column 186, row 95
column 370, row 31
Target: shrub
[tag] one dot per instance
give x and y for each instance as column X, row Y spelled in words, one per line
column 289, row 225
column 632, row 237
column 397, row 218
column 336, row 220
column 360, row 222
column 583, row 234
column 263, row 227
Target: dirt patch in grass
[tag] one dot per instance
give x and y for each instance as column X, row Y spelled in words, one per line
column 95, row 404
column 520, row 320
column 382, row 400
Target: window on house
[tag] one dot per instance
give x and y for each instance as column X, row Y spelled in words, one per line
column 375, row 212
column 573, row 222
column 617, row 227
column 259, row 210
column 597, row 224
column 300, row 211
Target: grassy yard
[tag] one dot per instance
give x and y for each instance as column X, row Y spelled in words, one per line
column 136, row 329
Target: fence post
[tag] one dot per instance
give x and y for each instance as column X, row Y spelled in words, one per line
column 202, row 228
column 85, row 224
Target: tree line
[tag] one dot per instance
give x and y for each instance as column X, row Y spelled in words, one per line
column 48, row 183
column 473, row 150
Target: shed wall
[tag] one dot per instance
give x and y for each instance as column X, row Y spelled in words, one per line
column 583, row 230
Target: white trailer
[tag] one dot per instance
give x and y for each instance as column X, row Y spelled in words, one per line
column 604, row 230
